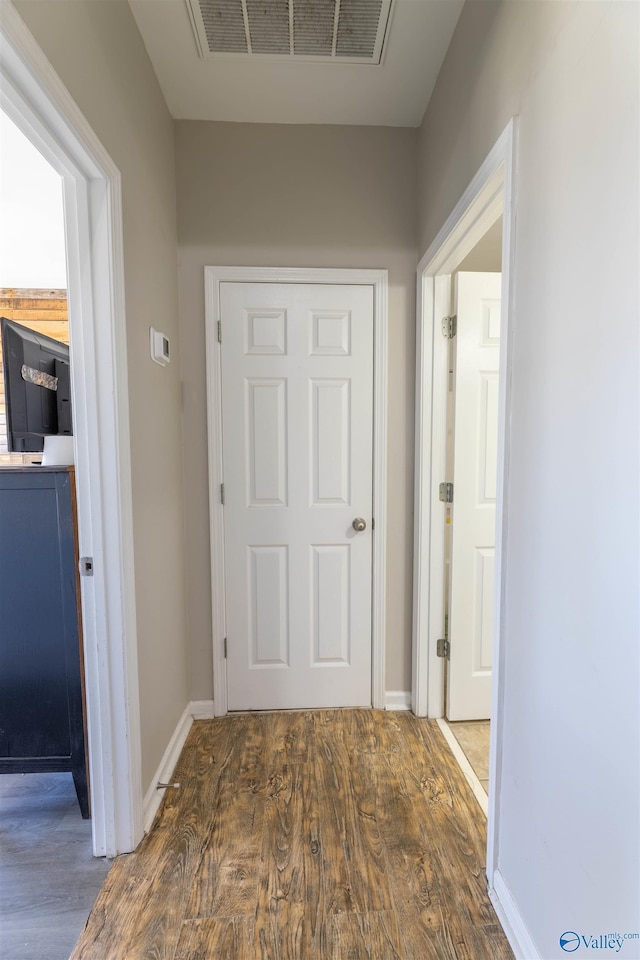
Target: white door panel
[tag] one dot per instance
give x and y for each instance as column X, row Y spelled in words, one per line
column 473, row 515
column 297, row 397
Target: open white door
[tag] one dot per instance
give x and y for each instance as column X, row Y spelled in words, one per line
column 473, row 515
column 297, row 420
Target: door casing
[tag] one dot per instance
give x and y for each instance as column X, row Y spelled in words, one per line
column 378, row 280
column 33, row 96
column 491, row 192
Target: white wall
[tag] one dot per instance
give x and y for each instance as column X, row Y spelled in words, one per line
column 95, row 47
column 568, row 828
column 298, row 196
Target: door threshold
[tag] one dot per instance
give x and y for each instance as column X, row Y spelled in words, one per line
column 470, row 774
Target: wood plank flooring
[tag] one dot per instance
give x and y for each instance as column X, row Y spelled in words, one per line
column 337, row 834
column 49, row 878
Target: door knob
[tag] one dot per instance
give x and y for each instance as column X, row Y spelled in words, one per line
column 359, row 524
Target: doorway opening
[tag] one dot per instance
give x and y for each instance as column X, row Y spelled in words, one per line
column 453, row 439
column 35, row 100
column 469, row 503
column 44, row 793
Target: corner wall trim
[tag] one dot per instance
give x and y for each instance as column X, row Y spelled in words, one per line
column 196, row 710
column 397, row 700
column 511, row 920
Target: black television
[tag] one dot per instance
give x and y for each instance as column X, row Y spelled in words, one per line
column 37, row 387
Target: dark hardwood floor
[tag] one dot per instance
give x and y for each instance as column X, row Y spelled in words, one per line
column 323, row 834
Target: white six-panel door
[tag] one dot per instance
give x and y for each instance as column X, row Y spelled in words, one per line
column 473, row 514
column 297, row 419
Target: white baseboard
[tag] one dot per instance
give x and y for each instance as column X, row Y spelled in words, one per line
column 202, row 709
column 196, row 710
column 511, row 920
column 397, row 700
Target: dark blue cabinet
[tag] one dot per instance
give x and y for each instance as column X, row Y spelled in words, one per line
column 41, row 672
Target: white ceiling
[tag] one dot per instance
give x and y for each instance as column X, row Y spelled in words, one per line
column 394, row 93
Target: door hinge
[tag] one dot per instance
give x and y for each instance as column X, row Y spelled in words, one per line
column 449, row 327
column 222, row 494
column 446, row 492
column 225, row 648
column 443, row 648
column 219, row 331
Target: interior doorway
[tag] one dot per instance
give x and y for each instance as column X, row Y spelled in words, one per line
column 470, row 521
column 323, row 338
column 487, row 202
column 45, row 830
column 34, row 98
column 470, row 494
column 472, row 435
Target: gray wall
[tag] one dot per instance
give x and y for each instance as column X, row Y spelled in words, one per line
column 290, row 196
column 568, row 828
column 95, row 47
column 486, row 256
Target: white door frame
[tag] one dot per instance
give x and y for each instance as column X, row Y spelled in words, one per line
column 33, row 96
column 378, row 279
column 491, row 192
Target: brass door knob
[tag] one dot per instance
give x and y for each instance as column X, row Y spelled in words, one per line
column 359, row 524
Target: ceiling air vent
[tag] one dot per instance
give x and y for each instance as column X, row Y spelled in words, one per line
column 351, row 31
